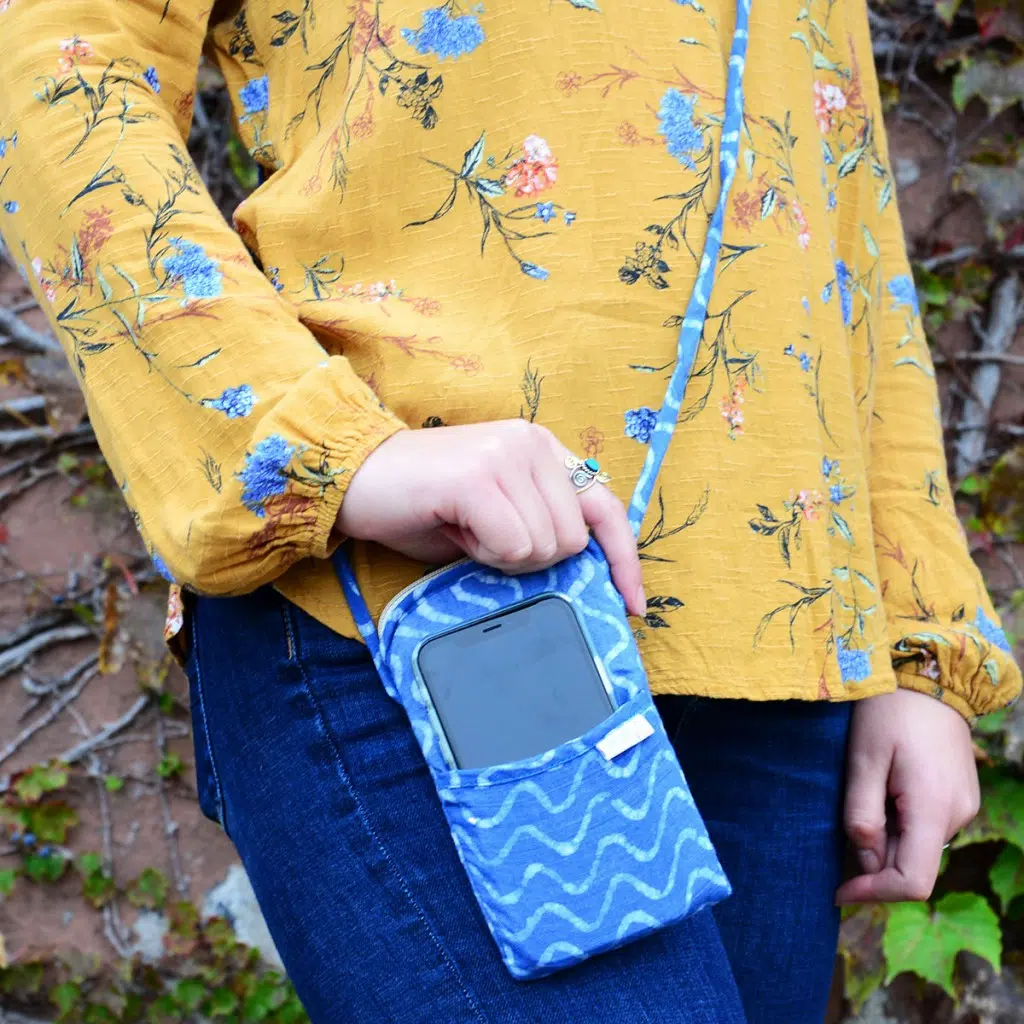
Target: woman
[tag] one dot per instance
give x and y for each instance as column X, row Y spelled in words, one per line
column 529, row 185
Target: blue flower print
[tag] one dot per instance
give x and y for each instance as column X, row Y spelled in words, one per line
column 255, row 95
column 854, row 666
column 532, row 270
column 198, row 272
column 835, row 494
column 990, row 631
column 3, row 147
column 832, row 202
column 272, row 273
column 789, row 350
column 10, row 206
column 161, row 567
column 545, row 211
column 828, row 466
column 805, row 362
column 444, row 35
column 826, row 292
column 806, row 305
column 826, row 154
column 263, row 475
column 904, row 293
column 845, row 295
column 235, row 403
column 152, row 78
column 640, row 424
column 569, row 217
column 682, row 134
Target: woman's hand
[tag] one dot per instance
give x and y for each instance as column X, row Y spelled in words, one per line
column 498, row 492
column 917, row 752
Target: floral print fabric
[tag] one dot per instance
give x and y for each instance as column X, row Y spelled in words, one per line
column 475, row 212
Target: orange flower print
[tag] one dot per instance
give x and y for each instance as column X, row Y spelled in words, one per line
column 807, row 503
column 731, row 411
column 803, row 237
column 362, row 126
column 592, row 441
column 96, row 228
column 74, row 49
column 746, row 208
column 535, row 172
column 48, row 289
column 628, row 133
column 183, row 108
column 568, row 82
column 426, row 306
column 828, row 100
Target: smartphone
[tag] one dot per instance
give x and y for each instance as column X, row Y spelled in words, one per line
column 514, row 684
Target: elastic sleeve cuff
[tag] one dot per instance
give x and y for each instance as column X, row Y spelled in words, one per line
column 350, row 424
column 922, row 684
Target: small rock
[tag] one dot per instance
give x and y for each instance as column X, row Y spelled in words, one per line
column 906, row 171
column 66, row 918
column 235, row 900
column 150, row 929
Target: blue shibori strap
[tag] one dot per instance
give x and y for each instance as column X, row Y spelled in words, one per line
column 697, row 308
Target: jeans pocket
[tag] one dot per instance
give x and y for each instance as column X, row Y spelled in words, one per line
column 208, row 788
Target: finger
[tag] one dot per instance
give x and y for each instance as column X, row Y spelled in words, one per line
column 606, row 517
column 519, row 487
column 557, row 492
column 492, row 531
column 919, row 853
column 864, row 811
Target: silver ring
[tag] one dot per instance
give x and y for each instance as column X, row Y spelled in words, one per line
column 584, row 473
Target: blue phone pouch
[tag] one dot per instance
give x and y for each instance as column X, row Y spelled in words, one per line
column 596, row 842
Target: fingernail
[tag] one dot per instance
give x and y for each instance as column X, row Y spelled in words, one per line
column 869, row 862
column 641, row 600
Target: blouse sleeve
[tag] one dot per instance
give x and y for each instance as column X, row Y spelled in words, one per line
column 231, row 432
column 944, row 634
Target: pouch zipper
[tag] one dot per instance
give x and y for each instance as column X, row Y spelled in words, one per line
column 411, row 587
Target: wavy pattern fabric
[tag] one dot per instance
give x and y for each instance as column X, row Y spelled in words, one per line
column 569, row 853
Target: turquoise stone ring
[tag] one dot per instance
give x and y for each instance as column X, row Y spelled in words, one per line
column 584, row 473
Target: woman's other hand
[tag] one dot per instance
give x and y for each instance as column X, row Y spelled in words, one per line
column 498, row 492
column 912, row 750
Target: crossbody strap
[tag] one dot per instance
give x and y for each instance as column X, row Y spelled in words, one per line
column 696, row 310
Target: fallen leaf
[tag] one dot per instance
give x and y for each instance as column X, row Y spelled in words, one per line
column 999, row 83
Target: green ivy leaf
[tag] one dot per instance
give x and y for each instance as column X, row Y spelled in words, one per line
column 1006, row 876
column 44, row 869
column 1002, row 811
column 113, row 783
column 65, row 997
column 50, row 822
column 222, row 1003
column 189, row 993
column 39, row 779
column 170, row 765
column 149, row 890
column 926, row 940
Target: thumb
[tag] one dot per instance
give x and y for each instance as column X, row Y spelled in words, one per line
column 864, row 817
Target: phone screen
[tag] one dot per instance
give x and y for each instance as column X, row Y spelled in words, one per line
column 514, row 685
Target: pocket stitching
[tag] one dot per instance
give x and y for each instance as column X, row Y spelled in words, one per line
column 215, row 774
column 364, row 818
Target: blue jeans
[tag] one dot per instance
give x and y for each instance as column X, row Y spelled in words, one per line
column 314, row 773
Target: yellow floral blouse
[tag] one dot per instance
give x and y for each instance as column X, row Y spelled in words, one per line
column 476, row 211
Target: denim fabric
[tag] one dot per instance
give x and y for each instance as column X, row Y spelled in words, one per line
column 316, row 776
column 570, row 853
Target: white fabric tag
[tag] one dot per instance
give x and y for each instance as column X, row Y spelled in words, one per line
column 625, row 736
